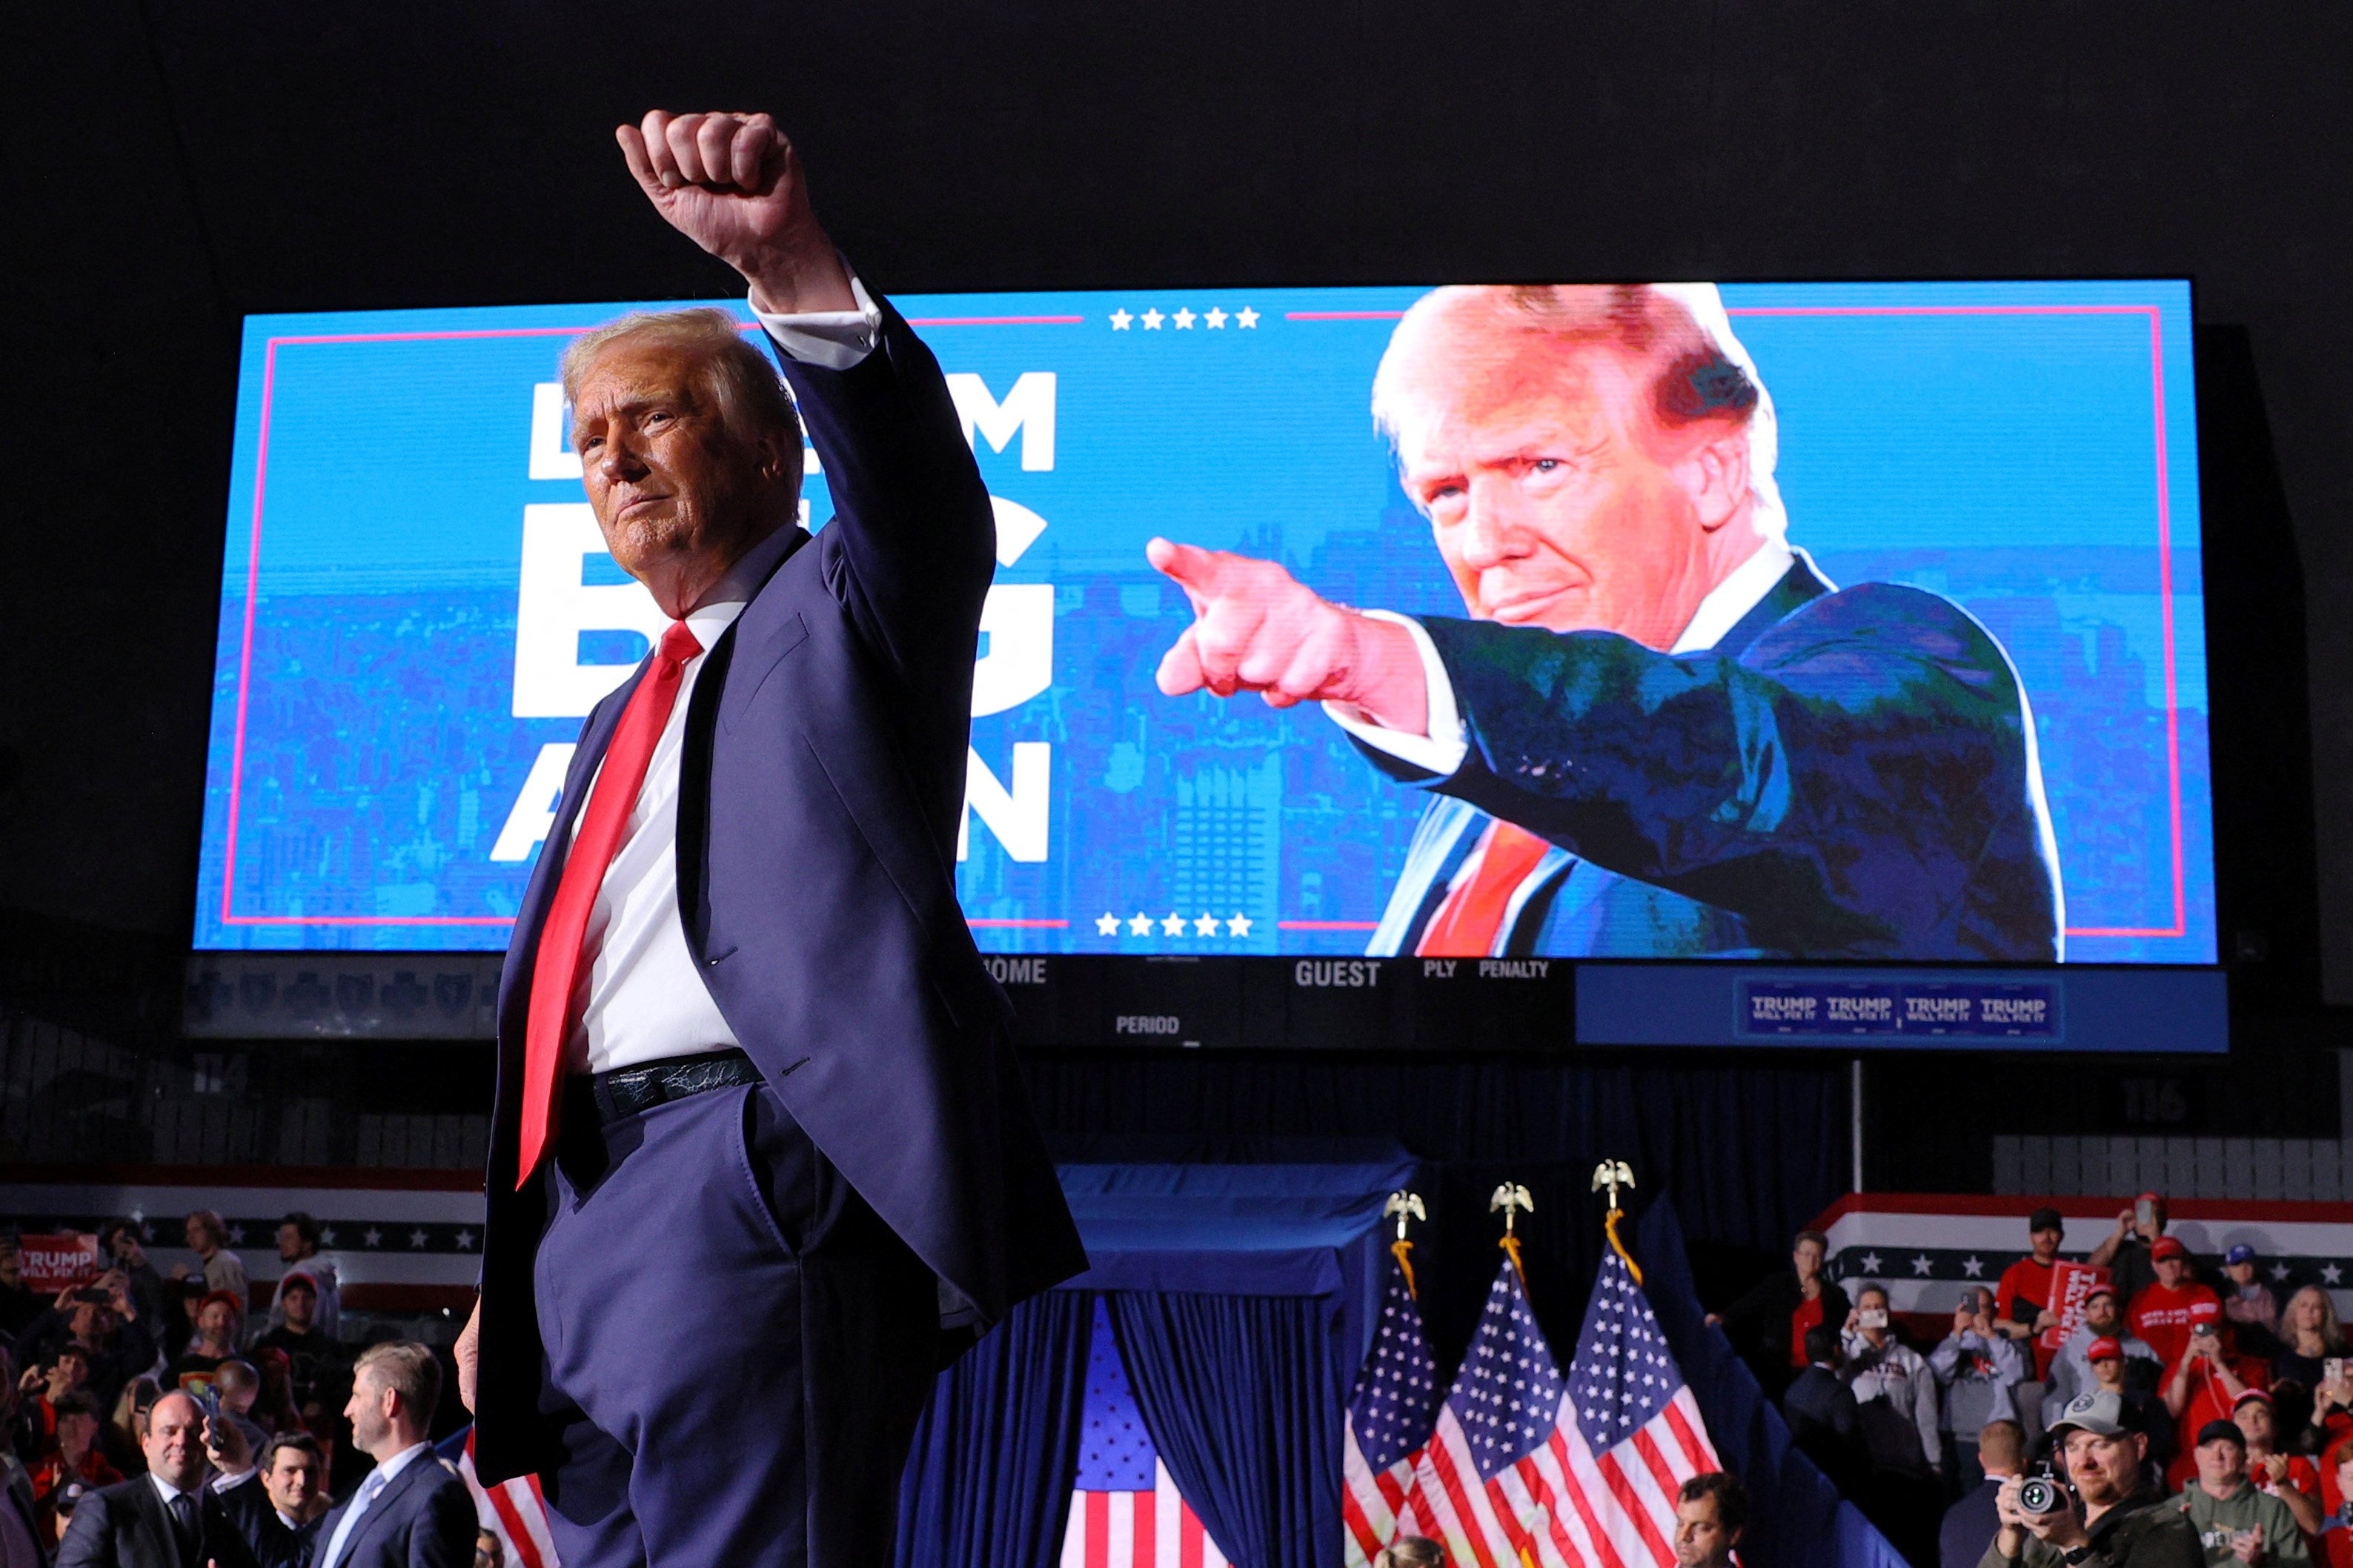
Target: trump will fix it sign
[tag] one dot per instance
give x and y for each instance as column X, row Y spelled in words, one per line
column 47, row 1264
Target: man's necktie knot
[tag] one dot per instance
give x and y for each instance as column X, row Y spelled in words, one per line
column 678, row 644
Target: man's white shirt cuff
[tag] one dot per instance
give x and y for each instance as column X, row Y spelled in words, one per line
column 1442, row 749
column 830, row 340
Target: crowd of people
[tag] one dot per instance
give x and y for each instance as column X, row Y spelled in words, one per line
column 2186, row 1415
column 149, row 1424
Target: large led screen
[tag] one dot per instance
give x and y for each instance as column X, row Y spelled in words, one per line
column 1820, row 621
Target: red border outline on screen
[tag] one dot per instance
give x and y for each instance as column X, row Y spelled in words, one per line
column 253, row 576
column 2165, row 583
column 2180, row 925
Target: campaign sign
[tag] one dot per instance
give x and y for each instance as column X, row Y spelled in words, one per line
column 48, row 1264
column 2069, row 1284
column 1953, row 705
column 1989, row 1010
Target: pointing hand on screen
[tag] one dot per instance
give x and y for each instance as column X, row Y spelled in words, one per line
column 732, row 183
column 1257, row 628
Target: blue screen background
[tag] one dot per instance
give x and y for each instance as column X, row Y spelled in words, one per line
column 2007, row 460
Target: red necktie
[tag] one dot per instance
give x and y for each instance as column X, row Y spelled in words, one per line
column 556, row 970
column 1472, row 912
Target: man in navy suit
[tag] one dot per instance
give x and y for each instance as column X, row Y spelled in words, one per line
column 412, row 1510
column 761, row 1159
column 1660, row 732
column 168, row 1518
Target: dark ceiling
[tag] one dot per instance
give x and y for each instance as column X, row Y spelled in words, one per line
column 177, row 166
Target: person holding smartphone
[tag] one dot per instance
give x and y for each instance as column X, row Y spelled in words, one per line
column 1979, row 1370
column 2128, row 1254
column 2202, row 1388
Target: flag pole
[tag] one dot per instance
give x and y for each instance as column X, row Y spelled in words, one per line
column 1404, row 1205
column 1612, row 1175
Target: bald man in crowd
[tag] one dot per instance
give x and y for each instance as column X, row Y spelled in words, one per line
column 1659, row 730
column 168, row 1518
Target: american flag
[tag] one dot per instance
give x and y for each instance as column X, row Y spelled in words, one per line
column 513, row 1511
column 1391, row 1416
column 1126, row 1511
column 1575, row 1471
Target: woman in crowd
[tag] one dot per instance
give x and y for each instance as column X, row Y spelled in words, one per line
column 2309, row 1337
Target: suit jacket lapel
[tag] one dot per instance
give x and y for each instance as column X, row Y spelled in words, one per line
column 381, row 1510
column 155, row 1524
column 540, row 891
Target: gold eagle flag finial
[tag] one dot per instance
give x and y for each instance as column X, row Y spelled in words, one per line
column 1612, row 1175
column 1510, row 1197
column 1405, row 1206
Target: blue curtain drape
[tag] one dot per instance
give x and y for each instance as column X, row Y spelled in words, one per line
column 1752, row 1154
column 1796, row 1518
column 1237, row 1392
column 989, row 1477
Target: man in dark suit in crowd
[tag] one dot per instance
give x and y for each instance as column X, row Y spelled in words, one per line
column 761, row 1156
column 412, row 1510
column 1660, row 732
column 168, row 1518
column 1824, row 1417
column 1974, row 1517
column 277, row 1503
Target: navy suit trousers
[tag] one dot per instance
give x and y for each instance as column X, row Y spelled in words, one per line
column 737, row 1347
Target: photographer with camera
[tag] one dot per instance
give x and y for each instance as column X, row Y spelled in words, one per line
column 2105, row 1514
column 2236, row 1524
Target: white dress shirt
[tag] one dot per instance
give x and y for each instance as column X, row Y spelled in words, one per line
column 645, row 997
column 364, row 1499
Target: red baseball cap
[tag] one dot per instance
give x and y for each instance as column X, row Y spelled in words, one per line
column 2252, row 1395
column 2166, row 1247
column 2104, row 1349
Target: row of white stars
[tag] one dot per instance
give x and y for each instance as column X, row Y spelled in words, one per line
column 371, row 1237
column 1174, row 924
column 1182, row 319
column 1974, row 1268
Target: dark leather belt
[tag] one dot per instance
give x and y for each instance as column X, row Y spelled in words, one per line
column 606, row 1097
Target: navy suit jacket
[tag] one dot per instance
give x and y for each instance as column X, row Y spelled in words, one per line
column 1845, row 775
column 424, row 1520
column 126, row 1526
column 275, row 1545
column 821, row 786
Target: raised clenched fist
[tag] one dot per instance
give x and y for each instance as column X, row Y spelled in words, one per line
column 1258, row 628
column 732, row 183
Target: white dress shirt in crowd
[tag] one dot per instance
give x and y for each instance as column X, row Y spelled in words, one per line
column 646, row 998
column 370, row 1491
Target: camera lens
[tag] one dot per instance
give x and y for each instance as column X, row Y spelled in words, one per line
column 2039, row 1495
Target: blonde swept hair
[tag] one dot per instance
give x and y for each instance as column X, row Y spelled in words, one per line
column 738, row 377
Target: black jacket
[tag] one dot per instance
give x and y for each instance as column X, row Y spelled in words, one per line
column 1758, row 1324
column 2148, row 1530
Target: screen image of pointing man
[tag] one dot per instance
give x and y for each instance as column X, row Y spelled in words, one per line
column 1657, row 730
